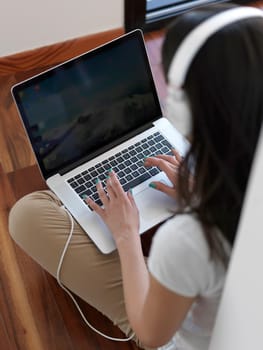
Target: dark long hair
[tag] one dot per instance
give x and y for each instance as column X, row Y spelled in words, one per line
column 225, row 89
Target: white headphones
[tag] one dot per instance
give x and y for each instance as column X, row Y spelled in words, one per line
column 177, row 105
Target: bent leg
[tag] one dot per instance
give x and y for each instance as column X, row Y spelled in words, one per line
column 40, row 226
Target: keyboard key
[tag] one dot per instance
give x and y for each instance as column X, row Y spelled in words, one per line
column 89, row 184
column 129, row 177
column 151, row 142
column 113, row 162
column 119, row 159
column 107, row 166
column 87, row 177
column 136, row 181
column 158, row 138
column 140, row 163
column 121, row 174
column 80, row 189
column 127, row 162
column 154, row 171
column 98, row 201
column 134, row 159
column 147, row 152
column 123, row 181
column 93, row 189
column 115, row 169
column 133, row 152
column 86, row 193
column 165, row 149
column 142, row 170
column 95, row 196
column 140, row 156
column 135, row 173
column 81, row 180
column 134, row 166
column 102, row 177
column 74, row 184
column 100, row 170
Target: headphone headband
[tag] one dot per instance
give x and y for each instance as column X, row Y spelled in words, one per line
column 199, row 35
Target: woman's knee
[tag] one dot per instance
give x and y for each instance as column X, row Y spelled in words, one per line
column 27, row 215
column 20, row 216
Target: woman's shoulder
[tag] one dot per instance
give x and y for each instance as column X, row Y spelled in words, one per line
column 184, row 230
column 180, row 257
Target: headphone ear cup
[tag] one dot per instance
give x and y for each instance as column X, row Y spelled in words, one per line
column 178, row 111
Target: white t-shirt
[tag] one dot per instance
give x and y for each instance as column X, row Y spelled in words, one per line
column 179, row 259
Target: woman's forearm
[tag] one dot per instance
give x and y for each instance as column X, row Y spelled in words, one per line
column 135, row 279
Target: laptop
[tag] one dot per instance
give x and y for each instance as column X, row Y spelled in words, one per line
column 98, row 111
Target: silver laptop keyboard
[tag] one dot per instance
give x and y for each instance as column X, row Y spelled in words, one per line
column 127, row 164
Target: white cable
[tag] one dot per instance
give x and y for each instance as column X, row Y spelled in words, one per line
column 70, row 294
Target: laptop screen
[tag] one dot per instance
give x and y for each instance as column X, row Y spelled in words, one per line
column 89, row 104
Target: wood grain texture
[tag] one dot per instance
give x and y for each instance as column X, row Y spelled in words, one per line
column 15, row 151
column 35, row 313
column 53, row 54
column 16, row 314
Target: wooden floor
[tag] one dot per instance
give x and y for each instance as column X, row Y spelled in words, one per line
column 35, row 314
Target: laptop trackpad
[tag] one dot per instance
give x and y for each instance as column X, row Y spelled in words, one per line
column 154, row 207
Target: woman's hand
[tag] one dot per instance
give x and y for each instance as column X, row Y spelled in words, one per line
column 120, row 212
column 169, row 165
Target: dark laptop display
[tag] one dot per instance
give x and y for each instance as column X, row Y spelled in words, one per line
column 89, row 104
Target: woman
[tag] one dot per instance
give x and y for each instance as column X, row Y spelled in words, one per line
column 215, row 99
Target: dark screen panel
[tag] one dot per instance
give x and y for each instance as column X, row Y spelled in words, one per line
column 74, row 110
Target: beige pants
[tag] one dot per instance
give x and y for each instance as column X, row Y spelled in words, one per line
column 41, row 227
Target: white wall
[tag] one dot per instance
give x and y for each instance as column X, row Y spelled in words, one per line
column 240, row 317
column 29, row 24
